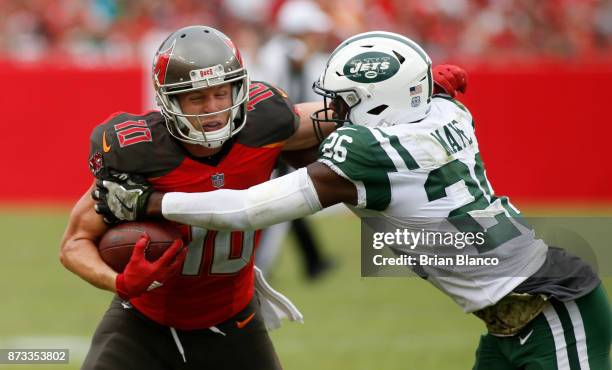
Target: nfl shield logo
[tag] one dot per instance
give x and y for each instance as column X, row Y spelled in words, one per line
column 218, row 180
column 96, row 163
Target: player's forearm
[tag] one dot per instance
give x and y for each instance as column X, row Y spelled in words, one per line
column 79, row 253
column 82, row 258
column 285, row 198
column 305, row 136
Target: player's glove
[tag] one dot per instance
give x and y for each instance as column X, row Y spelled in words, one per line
column 140, row 275
column 449, row 79
column 122, row 199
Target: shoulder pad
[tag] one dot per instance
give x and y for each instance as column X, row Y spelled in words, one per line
column 354, row 153
column 134, row 144
column 270, row 118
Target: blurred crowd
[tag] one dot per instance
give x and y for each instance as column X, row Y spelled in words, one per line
column 295, row 35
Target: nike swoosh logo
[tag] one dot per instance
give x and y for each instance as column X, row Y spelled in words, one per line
column 130, row 209
column 243, row 323
column 105, row 146
column 524, row 339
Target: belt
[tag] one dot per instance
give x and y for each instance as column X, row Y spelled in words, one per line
column 512, row 313
column 226, row 326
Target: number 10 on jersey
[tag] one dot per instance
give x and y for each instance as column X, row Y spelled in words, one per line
column 219, row 252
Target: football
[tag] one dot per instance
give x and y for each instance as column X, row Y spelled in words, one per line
column 116, row 245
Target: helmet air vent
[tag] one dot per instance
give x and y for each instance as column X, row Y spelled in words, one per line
column 399, row 56
column 378, row 110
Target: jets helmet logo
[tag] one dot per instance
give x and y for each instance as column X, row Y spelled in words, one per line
column 371, row 67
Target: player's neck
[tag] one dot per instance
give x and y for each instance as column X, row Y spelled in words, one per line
column 200, row 151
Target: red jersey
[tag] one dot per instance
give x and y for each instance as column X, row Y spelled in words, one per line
column 217, row 277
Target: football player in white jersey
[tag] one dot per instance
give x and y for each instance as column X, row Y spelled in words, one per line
column 405, row 155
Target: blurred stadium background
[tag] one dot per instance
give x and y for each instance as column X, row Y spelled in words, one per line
column 540, row 75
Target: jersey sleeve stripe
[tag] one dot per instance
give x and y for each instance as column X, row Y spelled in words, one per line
column 397, row 153
column 482, row 177
column 361, row 190
column 408, row 159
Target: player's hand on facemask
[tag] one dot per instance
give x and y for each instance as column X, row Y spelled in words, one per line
column 449, row 79
column 122, row 199
column 140, row 275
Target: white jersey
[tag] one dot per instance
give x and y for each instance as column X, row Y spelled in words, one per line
column 415, row 175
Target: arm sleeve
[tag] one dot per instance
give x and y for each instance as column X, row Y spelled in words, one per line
column 282, row 199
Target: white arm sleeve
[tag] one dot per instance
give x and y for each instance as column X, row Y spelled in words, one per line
column 282, row 199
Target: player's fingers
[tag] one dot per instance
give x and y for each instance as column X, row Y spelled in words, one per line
column 110, row 220
column 99, row 192
column 170, row 253
column 101, row 208
column 140, row 246
column 464, row 84
column 177, row 263
column 443, row 77
column 110, row 185
column 447, row 87
column 461, row 77
column 451, row 77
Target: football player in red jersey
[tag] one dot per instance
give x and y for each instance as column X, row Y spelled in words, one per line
column 195, row 308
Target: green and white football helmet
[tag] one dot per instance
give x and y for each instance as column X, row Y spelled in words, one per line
column 374, row 79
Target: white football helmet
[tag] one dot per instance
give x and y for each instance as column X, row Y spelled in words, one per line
column 375, row 78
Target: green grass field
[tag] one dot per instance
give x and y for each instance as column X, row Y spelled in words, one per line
column 350, row 322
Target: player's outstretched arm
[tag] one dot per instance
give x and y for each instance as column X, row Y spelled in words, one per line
column 79, row 252
column 305, row 136
column 298, row 194
column 330, row 187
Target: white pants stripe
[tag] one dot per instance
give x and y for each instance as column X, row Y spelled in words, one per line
column 557, row 331
column 579, row 333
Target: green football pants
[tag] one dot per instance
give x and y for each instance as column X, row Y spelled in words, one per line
column 574, row 335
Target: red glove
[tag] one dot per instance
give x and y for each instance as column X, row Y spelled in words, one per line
column 140, row 275
column 449, row 79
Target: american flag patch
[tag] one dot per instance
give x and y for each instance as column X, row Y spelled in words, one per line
column 415, row 90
